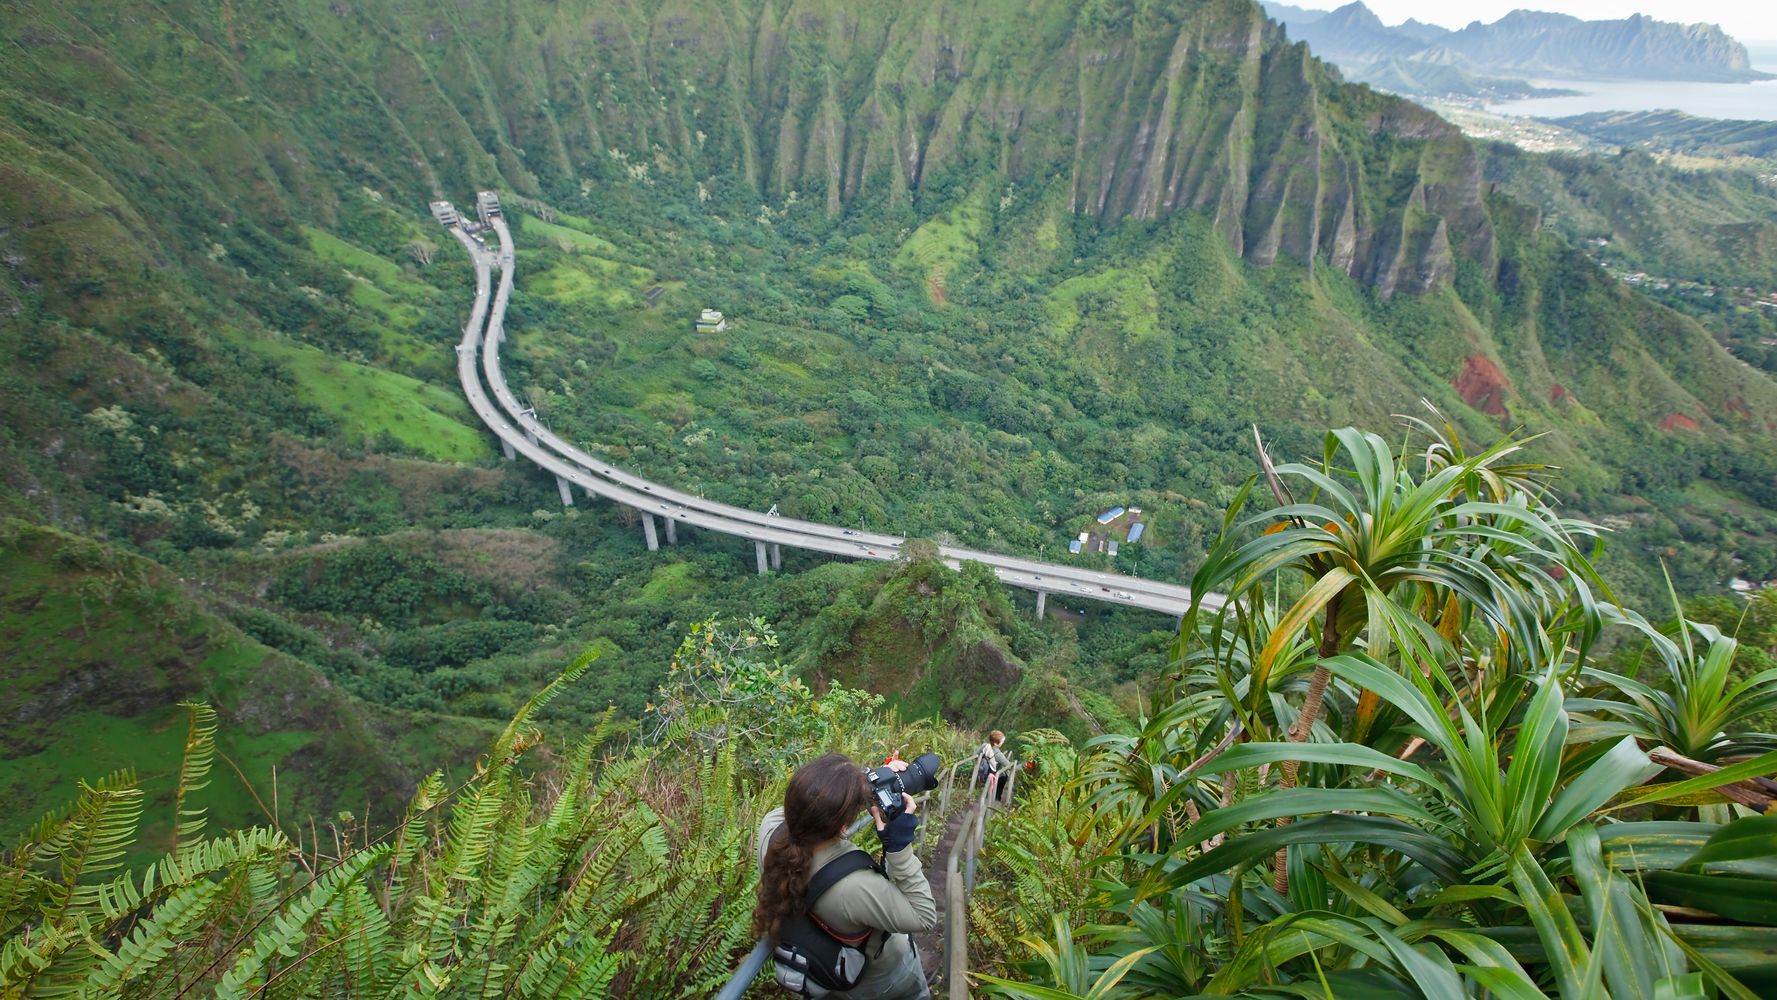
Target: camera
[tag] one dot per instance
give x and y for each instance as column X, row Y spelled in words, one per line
column 887, row 784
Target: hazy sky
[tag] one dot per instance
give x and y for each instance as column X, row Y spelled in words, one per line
column 1747, row 20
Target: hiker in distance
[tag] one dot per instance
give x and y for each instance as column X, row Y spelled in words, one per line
column 991, row 763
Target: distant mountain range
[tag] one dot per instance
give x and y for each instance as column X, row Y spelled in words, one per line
column 1493, row 60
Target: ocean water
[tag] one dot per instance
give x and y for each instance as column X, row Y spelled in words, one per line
column 1755, row 101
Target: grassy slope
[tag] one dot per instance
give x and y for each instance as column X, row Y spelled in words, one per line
column 370, row 402
column 100, row 645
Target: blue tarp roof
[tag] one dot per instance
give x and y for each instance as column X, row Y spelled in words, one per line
column 1074, row 546
column 1135, row 531
column 1110, row 515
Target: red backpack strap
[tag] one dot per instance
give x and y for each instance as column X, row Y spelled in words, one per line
column 829, row 876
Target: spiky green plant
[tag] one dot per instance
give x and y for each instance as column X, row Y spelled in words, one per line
column 1451, row 827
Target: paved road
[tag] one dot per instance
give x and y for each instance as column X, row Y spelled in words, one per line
column 519, row 427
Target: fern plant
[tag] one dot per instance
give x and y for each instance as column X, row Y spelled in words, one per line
column 613, row 870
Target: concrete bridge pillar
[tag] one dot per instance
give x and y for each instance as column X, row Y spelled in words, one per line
column 590, row 495
column 530, row 435
column 777, row 556
column 506, row 446
column 648, row 532
column 567, row 491
column 672, row 535
column 759, row 551
column 1042, row 603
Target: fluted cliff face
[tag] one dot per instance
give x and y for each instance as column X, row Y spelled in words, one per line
column 1194, row 105
column 1198, row 104
column 1143, row 110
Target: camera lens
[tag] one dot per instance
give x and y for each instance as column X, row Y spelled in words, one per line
column 922, row 773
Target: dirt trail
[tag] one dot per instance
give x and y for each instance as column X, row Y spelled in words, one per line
column 935, row 286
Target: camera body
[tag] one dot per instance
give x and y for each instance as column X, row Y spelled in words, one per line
column 887, row 784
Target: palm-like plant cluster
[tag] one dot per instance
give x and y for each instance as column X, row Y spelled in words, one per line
column 1388, row 766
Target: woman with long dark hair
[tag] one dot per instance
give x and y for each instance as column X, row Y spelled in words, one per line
column 880, row 907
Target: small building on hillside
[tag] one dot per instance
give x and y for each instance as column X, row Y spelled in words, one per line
column 711, row 321
column 444, row 212
column 1110, row 548
column 1074, row 546
column 1135, row 531
column 1110, row 515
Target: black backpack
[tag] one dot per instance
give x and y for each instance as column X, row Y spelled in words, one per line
column 812, row 959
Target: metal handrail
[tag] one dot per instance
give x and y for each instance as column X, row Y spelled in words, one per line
column 959, row 883
column 747, row 971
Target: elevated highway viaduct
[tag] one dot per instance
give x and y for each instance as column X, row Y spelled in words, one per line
column 521, row 433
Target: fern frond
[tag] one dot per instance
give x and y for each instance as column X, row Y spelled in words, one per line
column 290, row 927
column 517, row 736
column 23, row 960
column 194, row 771
column 91, row 842
column 412, row 834
column 580, row 967
column 364, row 956
column 20, row 891
column 153, row 939
column 472, row 830
column 129, row 892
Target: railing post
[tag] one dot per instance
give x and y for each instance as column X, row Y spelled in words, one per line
column 976, row 834
column 956, row 954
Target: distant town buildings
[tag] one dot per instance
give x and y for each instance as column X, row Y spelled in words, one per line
column 711, row 321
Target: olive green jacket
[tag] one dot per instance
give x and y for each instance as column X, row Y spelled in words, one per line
column 891, row 908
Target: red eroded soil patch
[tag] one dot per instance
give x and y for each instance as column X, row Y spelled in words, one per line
column 1482, row 385
column 935, row 285
column 1678, row 421
column 1558, row 393
column 1737, row 406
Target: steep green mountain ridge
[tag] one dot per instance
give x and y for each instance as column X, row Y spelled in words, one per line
column 1145, row 110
